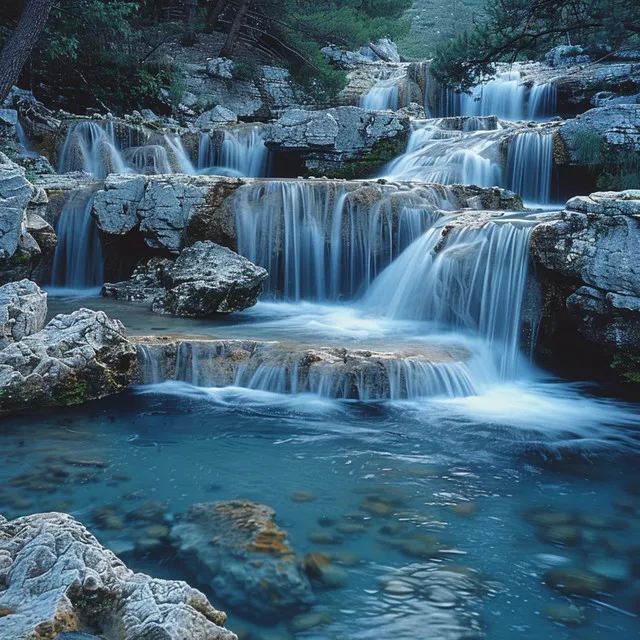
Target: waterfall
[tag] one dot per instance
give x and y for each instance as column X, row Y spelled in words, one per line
column 542, row 103
column 270, row 368
column 182, row 160
column 325, row 241
column 448, row 156
column 530, row 166
column 77, row 262
column 384, row 95
column 150, row 159
column 468, row 278
column 242, row 153
column 92, row 148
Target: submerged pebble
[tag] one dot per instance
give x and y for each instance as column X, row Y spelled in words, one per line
column 323, row 536
column 306, row 621
column 565, row 614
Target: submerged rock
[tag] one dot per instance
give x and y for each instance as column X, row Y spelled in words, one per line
column 58, row 578
column 236, row 548
column 205, row 279
column 23, row 310
column 75, row 358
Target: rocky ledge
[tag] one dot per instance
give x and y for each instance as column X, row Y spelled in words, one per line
column 205, row 279
column 334, row 372
column 75, row 358
column 23, row 310
column 591, row 255
column 56, row 577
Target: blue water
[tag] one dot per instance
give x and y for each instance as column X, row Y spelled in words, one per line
column 181, row 445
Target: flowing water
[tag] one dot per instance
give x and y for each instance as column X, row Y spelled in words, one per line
column 457, row 491
column 384, row 95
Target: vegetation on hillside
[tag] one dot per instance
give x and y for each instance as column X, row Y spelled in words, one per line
column 513, row 30
column 109, row 53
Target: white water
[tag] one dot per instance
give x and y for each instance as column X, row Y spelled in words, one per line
column 77, row 261
column 384, row 95
column 242, row 153
column 530, row 166
column 319, row 241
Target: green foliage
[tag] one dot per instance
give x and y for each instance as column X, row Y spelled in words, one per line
column 628, row 366
column 513, row 30
column 588, row 146
column 246, row 68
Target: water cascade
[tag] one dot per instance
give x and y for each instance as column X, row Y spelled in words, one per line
column 384, row 95
column 471, row 278
column 436, row 153
column 324, row 241
column 77, row 262
column 242, row 153
column 530, row 166
column 542, row 103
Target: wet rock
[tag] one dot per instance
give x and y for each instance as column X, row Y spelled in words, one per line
column 566, row 614
column 574, row 581
column 318, row 567
column 238, row 550
column 58, row 578
column 216, row 116
column 561, row 534
column 23, row 310
column 350, row 527
column 75, row 358
column 205, row 279
column 302, row 496
column 305, row 621
column 464, row 509
column 324, row 536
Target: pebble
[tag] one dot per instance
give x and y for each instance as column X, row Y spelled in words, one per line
column 567, row 535
column 159, row 531
column 464, row 509
column 398, row 588
column 306, row 621
column 614, row 569
column 441, row 597
column 333, row 577
column 345, row 557
column 326, row 521
column 376, row 507
column 392, row 529
column 302, row 496
column 322, row 536
column 350, row 527
column 566, row 614
column 546, row 518
column 574, row 581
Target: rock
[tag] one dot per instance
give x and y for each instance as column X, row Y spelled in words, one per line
column 327, row 140
column 57, row 578
column 205, row 279
column 414, row 111
column 15, row 194
column 75, row 358
column 566, row 614
column 594, row 246
column 216, row 116
column 23, row 310
column 324, row 536
column 561, row 534
column 574, row 581
column 616, row 125
column 566, row 56
column 237, row 549
column 302, row 496
column 220, row 68
column 305, row 621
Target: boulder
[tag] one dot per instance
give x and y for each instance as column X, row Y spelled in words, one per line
column 566, row 56
column 329, row 139
column 220, row 68
column 594, row 248
column 58, row 578
column 216, row 116
column 23, row 310
column 236, row 548
column 617, row 126
column 205, row 279
column 75, row 358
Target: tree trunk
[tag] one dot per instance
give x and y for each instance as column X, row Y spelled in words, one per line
column 190, row 11
column 18, row 48
column 227, row 49
column 215, row 10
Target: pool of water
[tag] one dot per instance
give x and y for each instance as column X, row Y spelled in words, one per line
column 489, row 502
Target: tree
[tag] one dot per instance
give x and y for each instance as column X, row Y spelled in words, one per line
column 17, row 49
column 525, row 29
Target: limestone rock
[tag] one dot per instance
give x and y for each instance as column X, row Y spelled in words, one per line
column 220, row 68
column 566, row 56
column 23, row 310
column 216, row 116
column 596, row 243
column 58, row 578
column 238, row 550
column 617, row 125
column 76, row 357
column 205, row 279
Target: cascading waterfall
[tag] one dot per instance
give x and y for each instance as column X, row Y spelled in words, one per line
column 542, row 103
column 242, row 153
column 448, row 156
column 319, row 242
column 475, row 283
column 530, row 166
column 149, row 159
column 504, row 96
column 92, row 148
column 77, row 262
column 384, row 95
